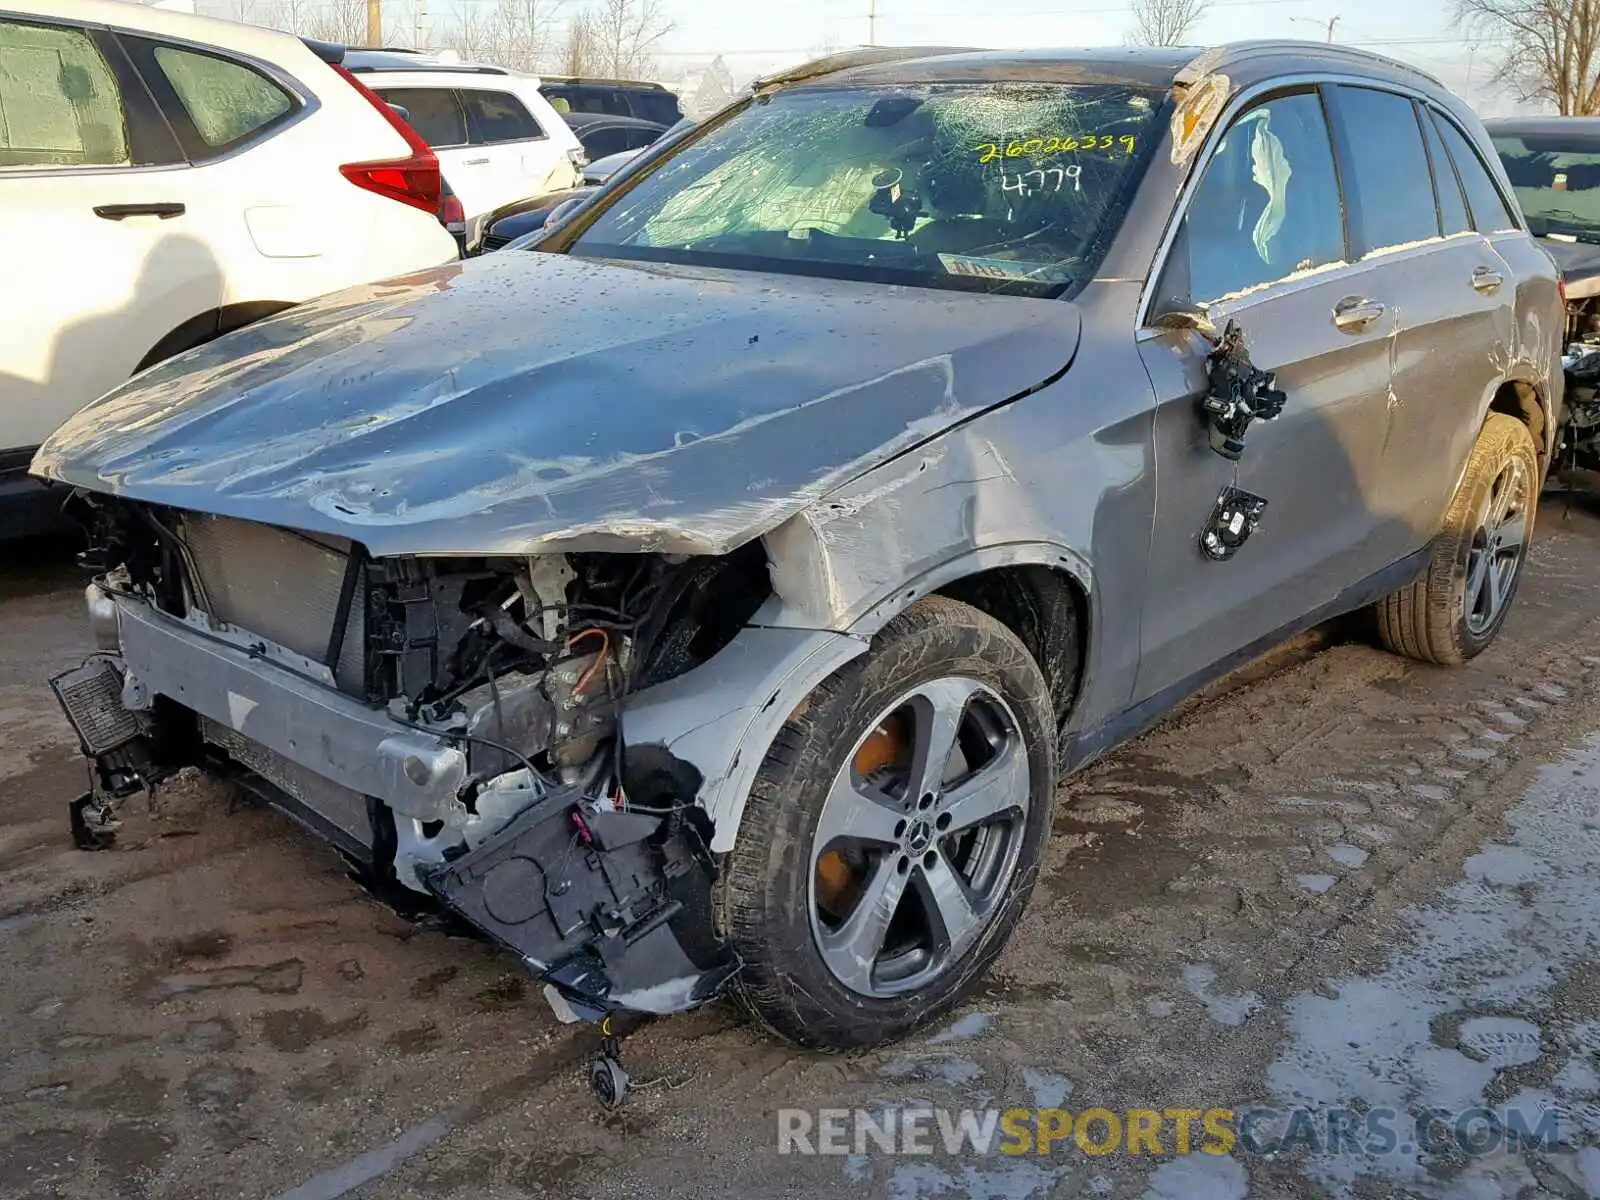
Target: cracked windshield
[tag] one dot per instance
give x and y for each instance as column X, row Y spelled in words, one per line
column 998, row 187
column 1557, row 180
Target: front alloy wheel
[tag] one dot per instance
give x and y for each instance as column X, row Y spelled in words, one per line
column 919, row 837
column 893, row 833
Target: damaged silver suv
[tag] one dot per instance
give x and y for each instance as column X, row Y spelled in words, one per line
column 915, row 430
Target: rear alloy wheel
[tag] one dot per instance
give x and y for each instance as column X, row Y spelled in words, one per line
column 1454, row 610
column 894, row 832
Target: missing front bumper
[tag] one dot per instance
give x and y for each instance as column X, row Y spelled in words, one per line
column 612, row 908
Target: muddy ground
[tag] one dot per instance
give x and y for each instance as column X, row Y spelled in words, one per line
column 1339, row 879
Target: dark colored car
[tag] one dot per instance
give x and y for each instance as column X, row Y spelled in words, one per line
column 526, row 216
column 714, row 596
column 603, row 135
column 618, row 97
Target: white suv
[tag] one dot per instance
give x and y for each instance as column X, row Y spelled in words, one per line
column 498, row 139
column 165, row 178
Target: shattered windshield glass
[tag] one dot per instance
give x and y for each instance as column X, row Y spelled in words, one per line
column 1557, row 181
column 995, row 187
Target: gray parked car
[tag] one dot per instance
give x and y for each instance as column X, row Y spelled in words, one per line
column 911, row 433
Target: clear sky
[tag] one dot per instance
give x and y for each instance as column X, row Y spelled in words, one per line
column 757, row 35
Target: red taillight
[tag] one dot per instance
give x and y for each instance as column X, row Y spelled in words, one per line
column 451, row 212
column 412, row 180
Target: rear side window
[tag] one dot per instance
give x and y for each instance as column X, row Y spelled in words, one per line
column 432, row 112
column 59, row 103
column 1268, row 204
column 226, row 100
column 602, row 142
column 1489, row 212
column 1453, row 216
column 498, row 117
column 580, row 98
column 661, row 107
column 1388, row 169
column 638, row 139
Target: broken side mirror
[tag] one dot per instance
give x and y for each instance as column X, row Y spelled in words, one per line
column 1237, row 394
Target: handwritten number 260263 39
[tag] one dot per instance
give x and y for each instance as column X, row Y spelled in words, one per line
column 989, row 152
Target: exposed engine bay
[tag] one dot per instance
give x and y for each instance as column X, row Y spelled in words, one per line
column 1580, row 431
column 449, row 724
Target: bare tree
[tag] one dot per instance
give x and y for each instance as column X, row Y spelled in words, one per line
column 624, row 33
column 520, row 32
column 1554, row 48
column 1165, row 22
column 469, row 31
column 342, row 21
column 579, row 53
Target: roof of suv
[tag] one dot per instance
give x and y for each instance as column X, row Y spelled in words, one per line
column 637, row 85
column 370, row 62
column 1585, row 127
column 1158, row 67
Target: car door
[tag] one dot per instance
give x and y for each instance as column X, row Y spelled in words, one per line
column 1262, row 242
column 1509, row 255
column 522, row 157
column 271, row 242
column 96, row 247
column 1446, row 312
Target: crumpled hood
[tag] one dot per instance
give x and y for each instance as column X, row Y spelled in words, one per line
column 530, row 402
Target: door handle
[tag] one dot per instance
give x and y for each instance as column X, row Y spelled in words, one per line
column 115, row 212
column 1487, row 280
column 475, row 162
column 1355, row 314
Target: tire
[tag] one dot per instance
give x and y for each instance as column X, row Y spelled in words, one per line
column 1445, row 615
column 776, row 898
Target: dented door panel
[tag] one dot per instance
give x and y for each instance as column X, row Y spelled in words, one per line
column 1449, row 349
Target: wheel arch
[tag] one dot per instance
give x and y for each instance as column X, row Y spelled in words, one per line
column 204, row 326
column 723, row 716
column 1529, row 403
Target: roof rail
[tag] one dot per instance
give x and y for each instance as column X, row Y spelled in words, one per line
column 865, row 56
column 400, row 68
column 583, row 80
column 1208, row 60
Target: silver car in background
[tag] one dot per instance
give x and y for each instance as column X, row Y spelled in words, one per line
column 912, row 432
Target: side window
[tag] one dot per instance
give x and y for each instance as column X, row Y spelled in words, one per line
column 59, row 103
column 638, row 139
column 1489, row 212
column 1388, row 169
column 226, row 100
column 603, row 142
column 1453, row 216
column 661, row 107
column 1268, row 204
column 432, row 112
column 498, row 117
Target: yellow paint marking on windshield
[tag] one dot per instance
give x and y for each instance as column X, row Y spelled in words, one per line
column 1035, row 147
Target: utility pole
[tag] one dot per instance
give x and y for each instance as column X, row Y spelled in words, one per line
column 1332, row 21
column 374, row 23
column 872, row 22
